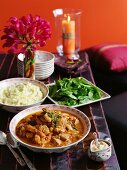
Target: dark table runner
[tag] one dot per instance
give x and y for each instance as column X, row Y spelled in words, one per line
column 75, row 158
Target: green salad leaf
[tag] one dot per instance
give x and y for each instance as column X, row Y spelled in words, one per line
column 73, row 91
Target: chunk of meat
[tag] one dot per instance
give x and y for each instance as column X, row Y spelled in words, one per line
column 44, row 129
column 59, row 130
column 69, row 127
column 41, row 134
column 61, row 125
column 29, row 135
column 64, row 136
column 61, row 122
column 76, row 121
column 39, row 140
column 31, row 128
column 48, row 137
column 47, row 118
column 56, row 141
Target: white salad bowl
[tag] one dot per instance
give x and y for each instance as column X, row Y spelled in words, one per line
column 72, row 111
column 13, row 81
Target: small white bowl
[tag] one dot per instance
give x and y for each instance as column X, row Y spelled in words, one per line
column 102, row 154
column 82, row 117
column 43, row 57
column 12, row 81
column 44, row 62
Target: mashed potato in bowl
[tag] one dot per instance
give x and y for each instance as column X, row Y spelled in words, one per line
column 21, row 94
column 17, row 94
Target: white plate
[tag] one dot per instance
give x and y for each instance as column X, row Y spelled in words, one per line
column 104, row 96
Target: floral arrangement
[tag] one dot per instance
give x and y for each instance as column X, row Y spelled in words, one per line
column 25, row 33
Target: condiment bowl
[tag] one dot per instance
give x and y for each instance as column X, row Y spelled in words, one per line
column 86, row 125
column 101, row 153
column 17, row 108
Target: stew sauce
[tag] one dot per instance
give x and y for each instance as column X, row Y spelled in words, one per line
column 50, row 128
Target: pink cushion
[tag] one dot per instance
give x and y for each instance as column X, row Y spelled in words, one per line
column 110, row 57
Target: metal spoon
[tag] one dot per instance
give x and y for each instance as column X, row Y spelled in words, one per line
column 14, row 144
column 3, row 141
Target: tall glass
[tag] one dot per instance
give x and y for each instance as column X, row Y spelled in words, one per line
column 67, row 24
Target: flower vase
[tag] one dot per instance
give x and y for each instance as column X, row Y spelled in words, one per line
column 29, row 64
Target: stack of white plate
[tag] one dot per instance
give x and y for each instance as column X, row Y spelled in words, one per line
column 44, row 64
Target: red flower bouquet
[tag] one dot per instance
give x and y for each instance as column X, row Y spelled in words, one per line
column 24, row 35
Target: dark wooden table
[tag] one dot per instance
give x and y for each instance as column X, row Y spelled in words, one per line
column 73, row 159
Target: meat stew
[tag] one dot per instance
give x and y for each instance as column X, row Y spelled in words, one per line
column 50, row 128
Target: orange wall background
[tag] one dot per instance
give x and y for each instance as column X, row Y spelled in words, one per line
column 102, row 21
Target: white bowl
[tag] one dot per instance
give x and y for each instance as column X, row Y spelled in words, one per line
column 43, row 76
column 44, row 69
column 82, row 117
column 44, row 62
column 47, row 67
column 43, row 57
column 12, row 81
